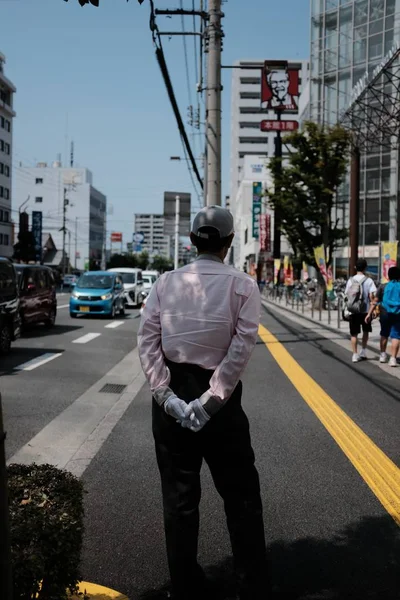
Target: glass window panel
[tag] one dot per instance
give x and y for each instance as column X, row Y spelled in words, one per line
column 377, row 9
column 384, row 232
column 372, row 210
column 386, row 180
column 375, row 46
column 344, row 90
column 389, row 22
column 389, row 41
column 386, row 160
column 376, row 27
column 330, row 60
column 360, row 51
column 390, row 6
column 373, row 162
column 373, row 180
column 330, row 4
column 360, row 12
column 361, row 32
column 385, row 210
column 317, row 7
column 371, row 234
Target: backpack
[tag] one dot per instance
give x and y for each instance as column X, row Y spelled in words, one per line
column 356, row 304
column 391, row 298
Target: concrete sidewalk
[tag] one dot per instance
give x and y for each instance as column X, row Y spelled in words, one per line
column 330, row 327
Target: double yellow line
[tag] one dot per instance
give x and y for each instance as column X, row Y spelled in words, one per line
column 377, row 470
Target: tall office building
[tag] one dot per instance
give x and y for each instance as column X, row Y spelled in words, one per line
column 348, row 40
column 152, row 227
column 86, row 210
column 250, row 143
column 7, row 91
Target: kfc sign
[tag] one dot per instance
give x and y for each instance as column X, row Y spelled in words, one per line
column 280, row 87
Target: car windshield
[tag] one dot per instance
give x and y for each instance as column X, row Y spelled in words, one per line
column 148, row 279
column 128, row 277
column 99, row 282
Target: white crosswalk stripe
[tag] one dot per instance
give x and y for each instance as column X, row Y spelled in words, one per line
column 38, row 361
column 114, row 324
column 84, row 339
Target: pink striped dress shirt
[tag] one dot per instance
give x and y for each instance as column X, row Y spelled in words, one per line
column 206, row 314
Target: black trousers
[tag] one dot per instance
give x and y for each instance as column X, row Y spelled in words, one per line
column 224, row 443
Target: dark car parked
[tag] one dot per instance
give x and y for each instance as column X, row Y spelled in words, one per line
column 37, row 288
column 10, row 320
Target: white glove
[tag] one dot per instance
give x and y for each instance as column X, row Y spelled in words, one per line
column 196, row 416
column 176, row 408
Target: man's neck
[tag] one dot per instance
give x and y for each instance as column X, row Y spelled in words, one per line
column 211, row 256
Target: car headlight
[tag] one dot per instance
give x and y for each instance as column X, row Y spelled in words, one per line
column 106, row 297
column 75, row 295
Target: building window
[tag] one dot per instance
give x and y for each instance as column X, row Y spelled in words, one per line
column 2, row 145
column 375, row 46
column 6, row 170
column 6, row 216
column 6, row 193
column 1, row 191
column 7, row 148
column 1, row 239
column 250, row 80
column 253, row 140
column 1, row 215
column 246, row 235
column 250, row 95
column 6, row 239
column 38, row 180
column 38, row 199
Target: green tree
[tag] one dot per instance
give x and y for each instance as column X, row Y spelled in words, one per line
column 162, row 264
column 143, row 260
column 304, row 190
column 24, row 249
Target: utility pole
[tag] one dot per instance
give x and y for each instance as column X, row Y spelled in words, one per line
column 64, row 230
column 177, row 209
column 76, row 241
column 69, row 250
column 213, row 116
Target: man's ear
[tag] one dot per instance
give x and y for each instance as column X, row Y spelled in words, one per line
column 193, row 238
column 230, row 240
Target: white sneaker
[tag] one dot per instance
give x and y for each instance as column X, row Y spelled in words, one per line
column 363, row 354
column 383, row 357
column 393, row 362
column 356, row 358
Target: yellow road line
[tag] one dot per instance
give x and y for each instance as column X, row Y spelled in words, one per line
column 377, row 470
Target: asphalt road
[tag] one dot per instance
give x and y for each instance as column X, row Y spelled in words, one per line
column 329, row 537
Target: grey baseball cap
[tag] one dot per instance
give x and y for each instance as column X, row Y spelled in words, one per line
column 216, row 217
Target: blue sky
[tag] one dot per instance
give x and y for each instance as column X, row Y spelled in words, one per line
column 95, row 68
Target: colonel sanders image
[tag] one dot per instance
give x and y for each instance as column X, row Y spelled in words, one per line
column 279, row 83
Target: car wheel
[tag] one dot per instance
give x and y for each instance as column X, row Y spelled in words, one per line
column 72, row 315
column 5, row 339
column 51, row 321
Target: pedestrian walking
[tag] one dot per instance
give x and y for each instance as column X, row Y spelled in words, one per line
column 196, row 336
column 376, row 309
column 360, row 290
column 389, row 302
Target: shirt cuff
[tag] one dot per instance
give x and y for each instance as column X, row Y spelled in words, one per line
column 162, row 394
column 212, row 404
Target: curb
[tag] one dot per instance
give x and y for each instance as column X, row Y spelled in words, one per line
column 99, row 592
column 346, row 336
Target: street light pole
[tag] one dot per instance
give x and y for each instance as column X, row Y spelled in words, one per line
column 213, row 117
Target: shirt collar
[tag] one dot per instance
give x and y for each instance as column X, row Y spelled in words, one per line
column 209, row 257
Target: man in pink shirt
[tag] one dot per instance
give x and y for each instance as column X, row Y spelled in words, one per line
column 196, row 336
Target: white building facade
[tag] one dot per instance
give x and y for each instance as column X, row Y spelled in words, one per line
column 86, row 209
column 7, row 91
column 152, row 227
column 247, row 139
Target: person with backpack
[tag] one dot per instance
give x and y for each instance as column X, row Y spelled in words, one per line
column 390, row 321
column 360, row 290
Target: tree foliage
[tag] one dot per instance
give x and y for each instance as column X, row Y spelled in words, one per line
column 304, row 190
column 161, row 264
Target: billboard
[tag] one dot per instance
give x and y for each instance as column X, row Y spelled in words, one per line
column 256, row 168
column 280, row 86
column 184, row 213
column 37, row 220
column 265, row 233
column 116, row 236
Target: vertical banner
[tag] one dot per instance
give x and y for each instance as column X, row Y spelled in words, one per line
column 37, row 220
column 265, row 233
column 287, row 270
column 389, row 258
column 304, row 274
column 326, row 273
column 277, row 268
column 257, row 194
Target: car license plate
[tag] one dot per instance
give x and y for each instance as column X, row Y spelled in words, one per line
column 84, row 308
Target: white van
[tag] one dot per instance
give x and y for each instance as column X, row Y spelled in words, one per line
column 149, row 279
column 133, row 284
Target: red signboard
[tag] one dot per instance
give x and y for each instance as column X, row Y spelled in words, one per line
column 116, row 236
column 273, row 125
column 280, row 86
column 265, row 233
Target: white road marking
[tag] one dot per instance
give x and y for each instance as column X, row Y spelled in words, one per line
column 63, row 306
column 86, row 338
column 114, row 324
column 38, row 362
column 75, row 436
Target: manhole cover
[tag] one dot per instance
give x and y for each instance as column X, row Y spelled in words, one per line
column 112, row 388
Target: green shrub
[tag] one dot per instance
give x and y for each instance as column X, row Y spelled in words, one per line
column 46, row 522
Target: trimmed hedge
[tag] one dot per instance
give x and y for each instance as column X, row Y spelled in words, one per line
column 46, row 523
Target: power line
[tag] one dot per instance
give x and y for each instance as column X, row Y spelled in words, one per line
column 186, row 57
